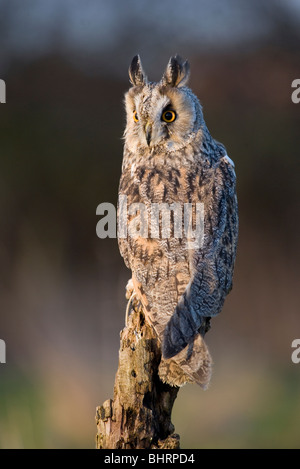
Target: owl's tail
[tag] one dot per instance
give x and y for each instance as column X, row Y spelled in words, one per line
column 192, row 365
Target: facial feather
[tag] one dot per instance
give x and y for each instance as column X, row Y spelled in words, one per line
column 149, row 102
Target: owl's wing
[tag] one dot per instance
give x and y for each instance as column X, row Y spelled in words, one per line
column 212, row 264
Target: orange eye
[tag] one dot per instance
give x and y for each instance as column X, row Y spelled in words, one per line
column 135, row 116
column 168, row 116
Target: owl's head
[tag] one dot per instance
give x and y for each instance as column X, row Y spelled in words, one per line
column 164, row 116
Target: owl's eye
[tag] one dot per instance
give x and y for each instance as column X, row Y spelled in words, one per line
column 168, row 116
column 135, row 116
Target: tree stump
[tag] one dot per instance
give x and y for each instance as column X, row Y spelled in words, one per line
column 139, row 416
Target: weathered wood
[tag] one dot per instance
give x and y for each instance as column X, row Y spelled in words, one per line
column 139, row 416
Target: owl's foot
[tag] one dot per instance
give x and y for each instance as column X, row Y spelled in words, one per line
column 129, row 289
column 130, row 296
column 128, row 308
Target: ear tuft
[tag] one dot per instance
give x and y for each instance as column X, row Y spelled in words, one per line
column 137, row 75
column 177, row 72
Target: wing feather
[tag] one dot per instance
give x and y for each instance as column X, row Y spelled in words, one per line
column 213, row 264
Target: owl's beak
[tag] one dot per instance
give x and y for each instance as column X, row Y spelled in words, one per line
column 148, row 133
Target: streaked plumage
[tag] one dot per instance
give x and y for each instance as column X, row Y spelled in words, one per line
column 180, row 289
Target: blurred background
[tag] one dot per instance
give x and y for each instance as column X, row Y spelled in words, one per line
column 62, row 302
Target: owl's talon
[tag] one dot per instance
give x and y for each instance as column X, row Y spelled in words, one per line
column 130, row 296
column 129, row 289
column 128, row 307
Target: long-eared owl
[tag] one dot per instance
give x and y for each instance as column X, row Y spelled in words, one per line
column 179, row 232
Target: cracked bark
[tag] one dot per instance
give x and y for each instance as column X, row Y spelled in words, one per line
column 139, row 416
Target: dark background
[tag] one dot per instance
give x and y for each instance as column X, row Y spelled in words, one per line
column 62, row 301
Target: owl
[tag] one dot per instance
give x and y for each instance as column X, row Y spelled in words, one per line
column 172, row 162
